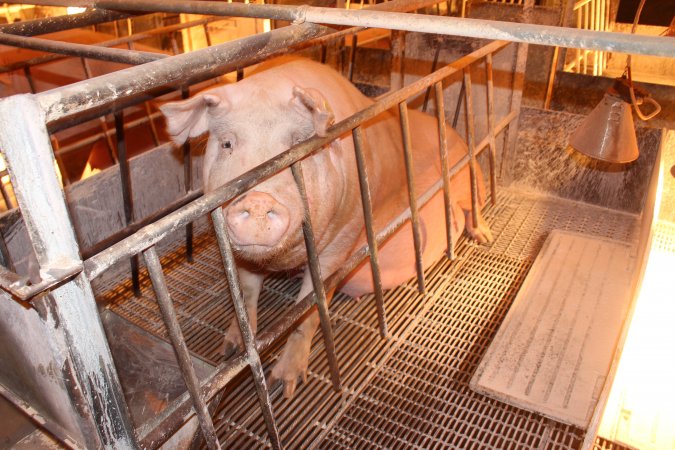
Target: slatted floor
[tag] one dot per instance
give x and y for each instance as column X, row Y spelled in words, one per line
column 412, row 390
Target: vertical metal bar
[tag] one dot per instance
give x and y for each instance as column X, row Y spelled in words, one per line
column 324, row 53
column 29, row 78
column 180, row 348
column 434, row 65
column 245, row 326
column 458, row 108
column 317, row 280
column 471, row 143
column 207, row 34
column 491, row 128
column 352, row 59
column 187, row 174
column 370, row 232
column 102, row 121
column 127, row 194
column 410, row 176
column 70, row 313
column 5, row 196
column 445, row 166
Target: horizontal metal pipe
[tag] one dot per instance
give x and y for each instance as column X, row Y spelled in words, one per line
column 60, row 23
column 204, row 63
column 88, row 51
column 155, row 232
column 477, row 28
column 492, row 29
column 111, row 43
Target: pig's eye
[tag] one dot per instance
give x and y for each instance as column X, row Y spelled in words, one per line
column 226, row 145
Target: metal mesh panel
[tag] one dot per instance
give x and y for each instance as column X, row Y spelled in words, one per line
column 410, row 391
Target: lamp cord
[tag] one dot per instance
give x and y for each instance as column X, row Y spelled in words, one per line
column 627, row 73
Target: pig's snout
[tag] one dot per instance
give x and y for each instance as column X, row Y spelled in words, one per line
column 257, row 219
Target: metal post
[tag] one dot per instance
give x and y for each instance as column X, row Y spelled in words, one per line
column 317, row 280
column 471, row 143
column 187, row 174
column 245, row 326
column 127, row 193
column 491, row 129
column 364, row 184
column 70, row 311
column 412, row 198
column 180, row 348
column 445, row 169
column 352, row 58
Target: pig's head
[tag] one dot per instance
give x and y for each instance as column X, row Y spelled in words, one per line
column 247, row 126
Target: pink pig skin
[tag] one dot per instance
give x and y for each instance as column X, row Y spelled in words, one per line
column 261, row 116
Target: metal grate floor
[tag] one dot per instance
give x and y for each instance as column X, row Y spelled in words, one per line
column 410, row 391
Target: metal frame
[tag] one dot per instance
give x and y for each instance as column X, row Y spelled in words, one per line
column 72, row 304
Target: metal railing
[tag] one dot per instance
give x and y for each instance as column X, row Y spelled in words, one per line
column 589, row 15
column 26, row 118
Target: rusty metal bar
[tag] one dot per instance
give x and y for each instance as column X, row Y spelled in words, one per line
column 127, row 193
column 245, row 326
column 187, row 174
column 491, row 130
column 412, row 198
column 180, row 348
column 470, row 141
column 60, row 23
column 352, row 56
column 155, row 232
column 107, row 135
column 205, row 63
column 88, row 51
column 367, row 205
column 476, row 28
column 434, row 66
column 443, row 150
column 313, row 264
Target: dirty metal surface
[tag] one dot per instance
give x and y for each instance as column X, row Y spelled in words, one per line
column 411, row 390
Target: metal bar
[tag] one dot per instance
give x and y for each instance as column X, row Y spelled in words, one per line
column 5, row 196
column 127, row 194
column 491, row 29
column 137, row 225
column 21, row 288
column 470, row 140
column 155, row 232
column 491, row 129
column 366, row 203
column 313, row 264
column 204, row 63
column 443, row 151
column 187, row 174
column 412, row 198
column 102, row 120
column 352, row 57
column 89, row 51
column 434, row 66
column 245, row 326
column 85, row 361
column 60, row 23
column 180, row 348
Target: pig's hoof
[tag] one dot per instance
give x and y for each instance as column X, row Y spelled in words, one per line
column 232, row 342
column 292, row 364
column 480, row 233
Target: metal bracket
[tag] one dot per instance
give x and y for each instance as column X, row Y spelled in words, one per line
column 52, row 276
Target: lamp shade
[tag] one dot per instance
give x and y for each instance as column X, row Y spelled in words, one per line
column 608, row 132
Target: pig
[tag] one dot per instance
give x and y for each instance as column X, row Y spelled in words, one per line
column 278, row 106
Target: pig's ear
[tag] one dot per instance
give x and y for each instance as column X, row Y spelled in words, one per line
column 311, row 100
column 188, row 118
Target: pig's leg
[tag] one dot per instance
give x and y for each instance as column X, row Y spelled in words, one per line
column 251, row 285
column 292, row 363
column 481, row 232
